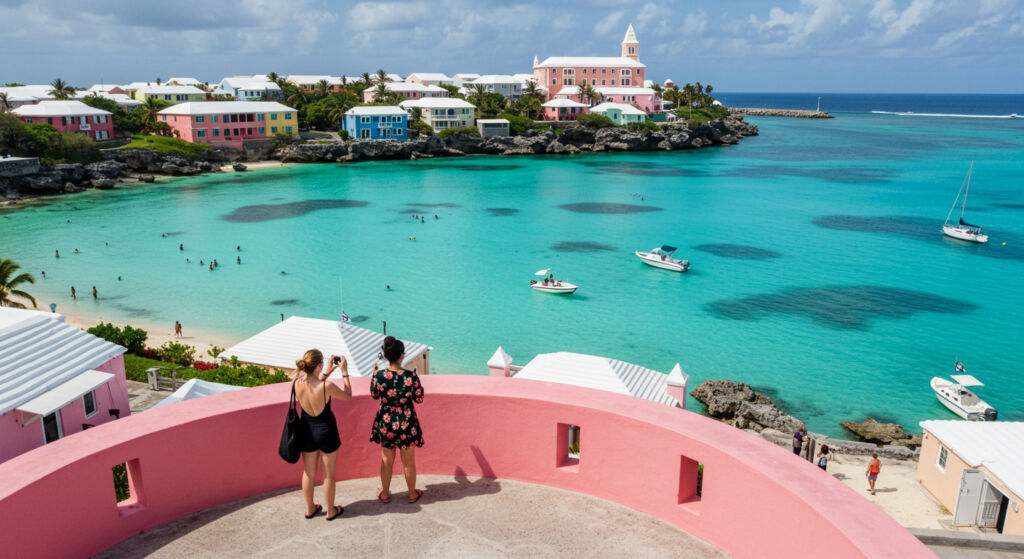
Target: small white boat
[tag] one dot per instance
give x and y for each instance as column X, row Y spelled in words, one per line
column 550, row 285
column 662, row 258
column 963, row 230
column 961, row 401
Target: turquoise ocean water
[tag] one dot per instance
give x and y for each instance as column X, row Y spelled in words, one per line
column 819, row 273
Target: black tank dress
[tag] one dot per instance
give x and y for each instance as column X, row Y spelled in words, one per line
column 321, row 431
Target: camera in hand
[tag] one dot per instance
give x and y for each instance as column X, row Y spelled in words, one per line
column 336, row 361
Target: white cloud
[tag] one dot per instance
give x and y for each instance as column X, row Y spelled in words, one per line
column 654, row 19
column 695, row 24
column 811, row 17
column 949, row 39
column 894, row 24
column 610, row 23
column 372, row 16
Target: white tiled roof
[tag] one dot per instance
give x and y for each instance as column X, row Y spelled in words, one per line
column 58, row 108
column 997, row 445
column 563, row 103
column 119, row 98
column 168, row 89
column 466, row 76
column 218, row 107
column 250, row 83
column 623, row 90
column 410, row 86
column 590, row 62
column 196, row 388
column 39, row 351
column 285, row 342
column 394, row 77
column 433, row 77
column 626, row 109
column 28, row 92
column 313, row 80
column 496, row 79
column 569, row 90
column 438, row 102
column 591, row 371
column 525, row 77
column 376, row 110
column 185, row 81
column 103, row 87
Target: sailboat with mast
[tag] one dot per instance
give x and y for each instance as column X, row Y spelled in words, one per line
column 963, row 230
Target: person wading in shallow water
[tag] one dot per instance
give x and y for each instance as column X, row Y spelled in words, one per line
column 177, row 329
column 73, row 294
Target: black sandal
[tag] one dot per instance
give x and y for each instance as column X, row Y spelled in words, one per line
column 316, row 511
column 419, row 493
column 339, row 511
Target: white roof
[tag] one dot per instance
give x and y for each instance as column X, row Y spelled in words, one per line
column 438, row 102
column 376, row 110
column 168, row 89
column 119, row 98
column 185, row 81
column 677, row 377
column 217, row 107
column 103, row 87
column 994, row 444
column 606, row 90
column 394, row 77
column 196, row 388
column 62, row 395
column 590, row 62
column 58, row 108
column 410, row 86
column 30, row 93
column 247, row 82
column 466, row 76
column 626, row 109
column 497, row 79
column 427, row 76
column 492, row 120
column 500, row 359
column 966, row 380
column 630, row 35
column 285, row 342
column 525, row 77
column 39, row 352
column 563, row 102
column 591, row 371
column 313, row 80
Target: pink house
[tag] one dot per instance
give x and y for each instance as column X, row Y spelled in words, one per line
column 626, row 70
column 69, row 116
column 408, row 90
column 230, row 122
column 55, row 380
column 643, row 98
column 564, row 109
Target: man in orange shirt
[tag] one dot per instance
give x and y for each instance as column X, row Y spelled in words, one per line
column 874, row 466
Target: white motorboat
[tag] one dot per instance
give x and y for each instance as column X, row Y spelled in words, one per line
column 963, row 230
column 662, row 258
column 551, row 285
column 961, row 401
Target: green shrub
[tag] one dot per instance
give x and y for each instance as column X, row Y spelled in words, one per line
column 343, row 134
column 282, row 139
column 134, row 339
column 121, row 491
column 421, row 127
column 165, row 145
column 214, row 351
column 645, row 126
column 468, row 130
column 595, row 121
column 232, row 372
column 702, row 114
column 517, row 124
column 180, row 354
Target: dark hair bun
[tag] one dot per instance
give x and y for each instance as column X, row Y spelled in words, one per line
column 393, row 348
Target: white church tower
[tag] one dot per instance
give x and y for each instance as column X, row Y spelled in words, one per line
column 630, row 46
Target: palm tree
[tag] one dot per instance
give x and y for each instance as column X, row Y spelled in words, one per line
column 382, row 76
column 9, row 282
column 380, row 92
column 60, row 89
column 297, row 99
column 416, row 115
column 587, row 91
column 322, row 88
column 273, row 77
column 151, row 111
column 532, row 89
column 477, row 93
column 5, row 104
column 367, row 79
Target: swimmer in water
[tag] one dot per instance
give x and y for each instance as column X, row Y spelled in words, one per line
column 188, row 260
column 239, row 259
column 44, row 274
column 76, row 251
column 57, row 253
column 388, row 287
column 94, row 293
column 282, row 272
column 200, row 262
column 215, row 264
column 118, row 278
column 211, row 266
column 181, row 246
column 73, row 294
column 238, row 248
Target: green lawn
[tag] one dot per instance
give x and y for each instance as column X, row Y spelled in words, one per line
column 251, row 375
column 135, row 367
column 166, row 146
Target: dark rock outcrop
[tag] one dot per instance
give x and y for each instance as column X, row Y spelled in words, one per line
column 312, row 153
column 239, row 167
column 737, row 404
column 872, row 431
column 109, row 169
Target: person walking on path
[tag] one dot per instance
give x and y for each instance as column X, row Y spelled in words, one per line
column 824, row 455
column 874, row 466
column 177, row 329
column 798, row 440
column 396, row 425
column 318, row 436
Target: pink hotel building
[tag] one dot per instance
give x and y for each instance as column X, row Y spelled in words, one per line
column 230, row 122
column 626, row 70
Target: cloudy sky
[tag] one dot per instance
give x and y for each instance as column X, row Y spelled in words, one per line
column 766, row 45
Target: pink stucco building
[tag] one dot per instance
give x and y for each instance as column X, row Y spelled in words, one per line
column 408, row 90
column 643, row 98
column 55, row 380
column 625, row 70
column 564, row 108
column 230, row 122
column 69, row 116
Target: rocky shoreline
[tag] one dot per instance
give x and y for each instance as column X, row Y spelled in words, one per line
column 737, row 404
column 139, row 165
column 790, row 113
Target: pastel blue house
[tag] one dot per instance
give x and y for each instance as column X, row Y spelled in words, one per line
column 376, row 123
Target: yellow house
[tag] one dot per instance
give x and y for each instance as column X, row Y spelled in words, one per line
column 976, row 470
column 230, row 122
column 170, row 93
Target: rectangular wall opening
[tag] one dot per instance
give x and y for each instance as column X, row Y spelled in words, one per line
column 567, row 451
column 691, row 482
column 128, row 489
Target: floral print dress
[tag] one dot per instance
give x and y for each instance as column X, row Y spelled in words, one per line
column 396, row 424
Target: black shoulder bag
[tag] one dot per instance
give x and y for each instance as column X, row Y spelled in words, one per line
column 289, row 449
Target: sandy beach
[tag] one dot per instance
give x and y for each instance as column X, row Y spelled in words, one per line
column 254, row 165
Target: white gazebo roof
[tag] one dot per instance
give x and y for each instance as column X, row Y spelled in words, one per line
column 500, row 359
column 196, row 388
column 993, row 444
column 590, row 62
column 218, row 107
column 58, row 108
column 626, row 109
column 563, row 103
column 40, row 353
column 283, row 343
column 602, row 373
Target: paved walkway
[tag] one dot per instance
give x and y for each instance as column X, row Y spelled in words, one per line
column 141, row 397
column 457, row 517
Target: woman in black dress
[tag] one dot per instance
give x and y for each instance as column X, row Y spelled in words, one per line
column 396, row 424
column 318, row 435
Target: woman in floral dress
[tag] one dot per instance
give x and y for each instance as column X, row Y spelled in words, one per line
column 396, row 425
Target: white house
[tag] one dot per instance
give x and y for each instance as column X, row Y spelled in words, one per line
column 507, row 86
column 309, row 82
column 460, row 80
column 427, row 78
column 248, row 88
column 283, row 343
column 121, row 99
column 407, row 90
column 443, row 112
column 27, row 94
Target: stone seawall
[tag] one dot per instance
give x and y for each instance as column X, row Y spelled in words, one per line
column 791, row 113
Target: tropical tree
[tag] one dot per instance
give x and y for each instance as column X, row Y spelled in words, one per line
column 273, row 77
column 588, row 92
column 532, row 89
column 477, row 93
column 416, row 115
column 658, row 90
column 60, row 89
column 382, row 76
column 367, row 79
column 5, row 104
column 381, row 91
column 297, row 99
column 528, row 106
column 151, row 111
column 322, row 88
column 10, row 281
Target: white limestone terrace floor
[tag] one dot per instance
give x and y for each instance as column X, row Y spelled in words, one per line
column 457, row 517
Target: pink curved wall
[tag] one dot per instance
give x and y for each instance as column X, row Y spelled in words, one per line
column 758, row 500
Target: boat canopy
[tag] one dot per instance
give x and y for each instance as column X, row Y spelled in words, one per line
column 967, row 380
column 668, row 249
column 543, row 272
column 965, row 224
